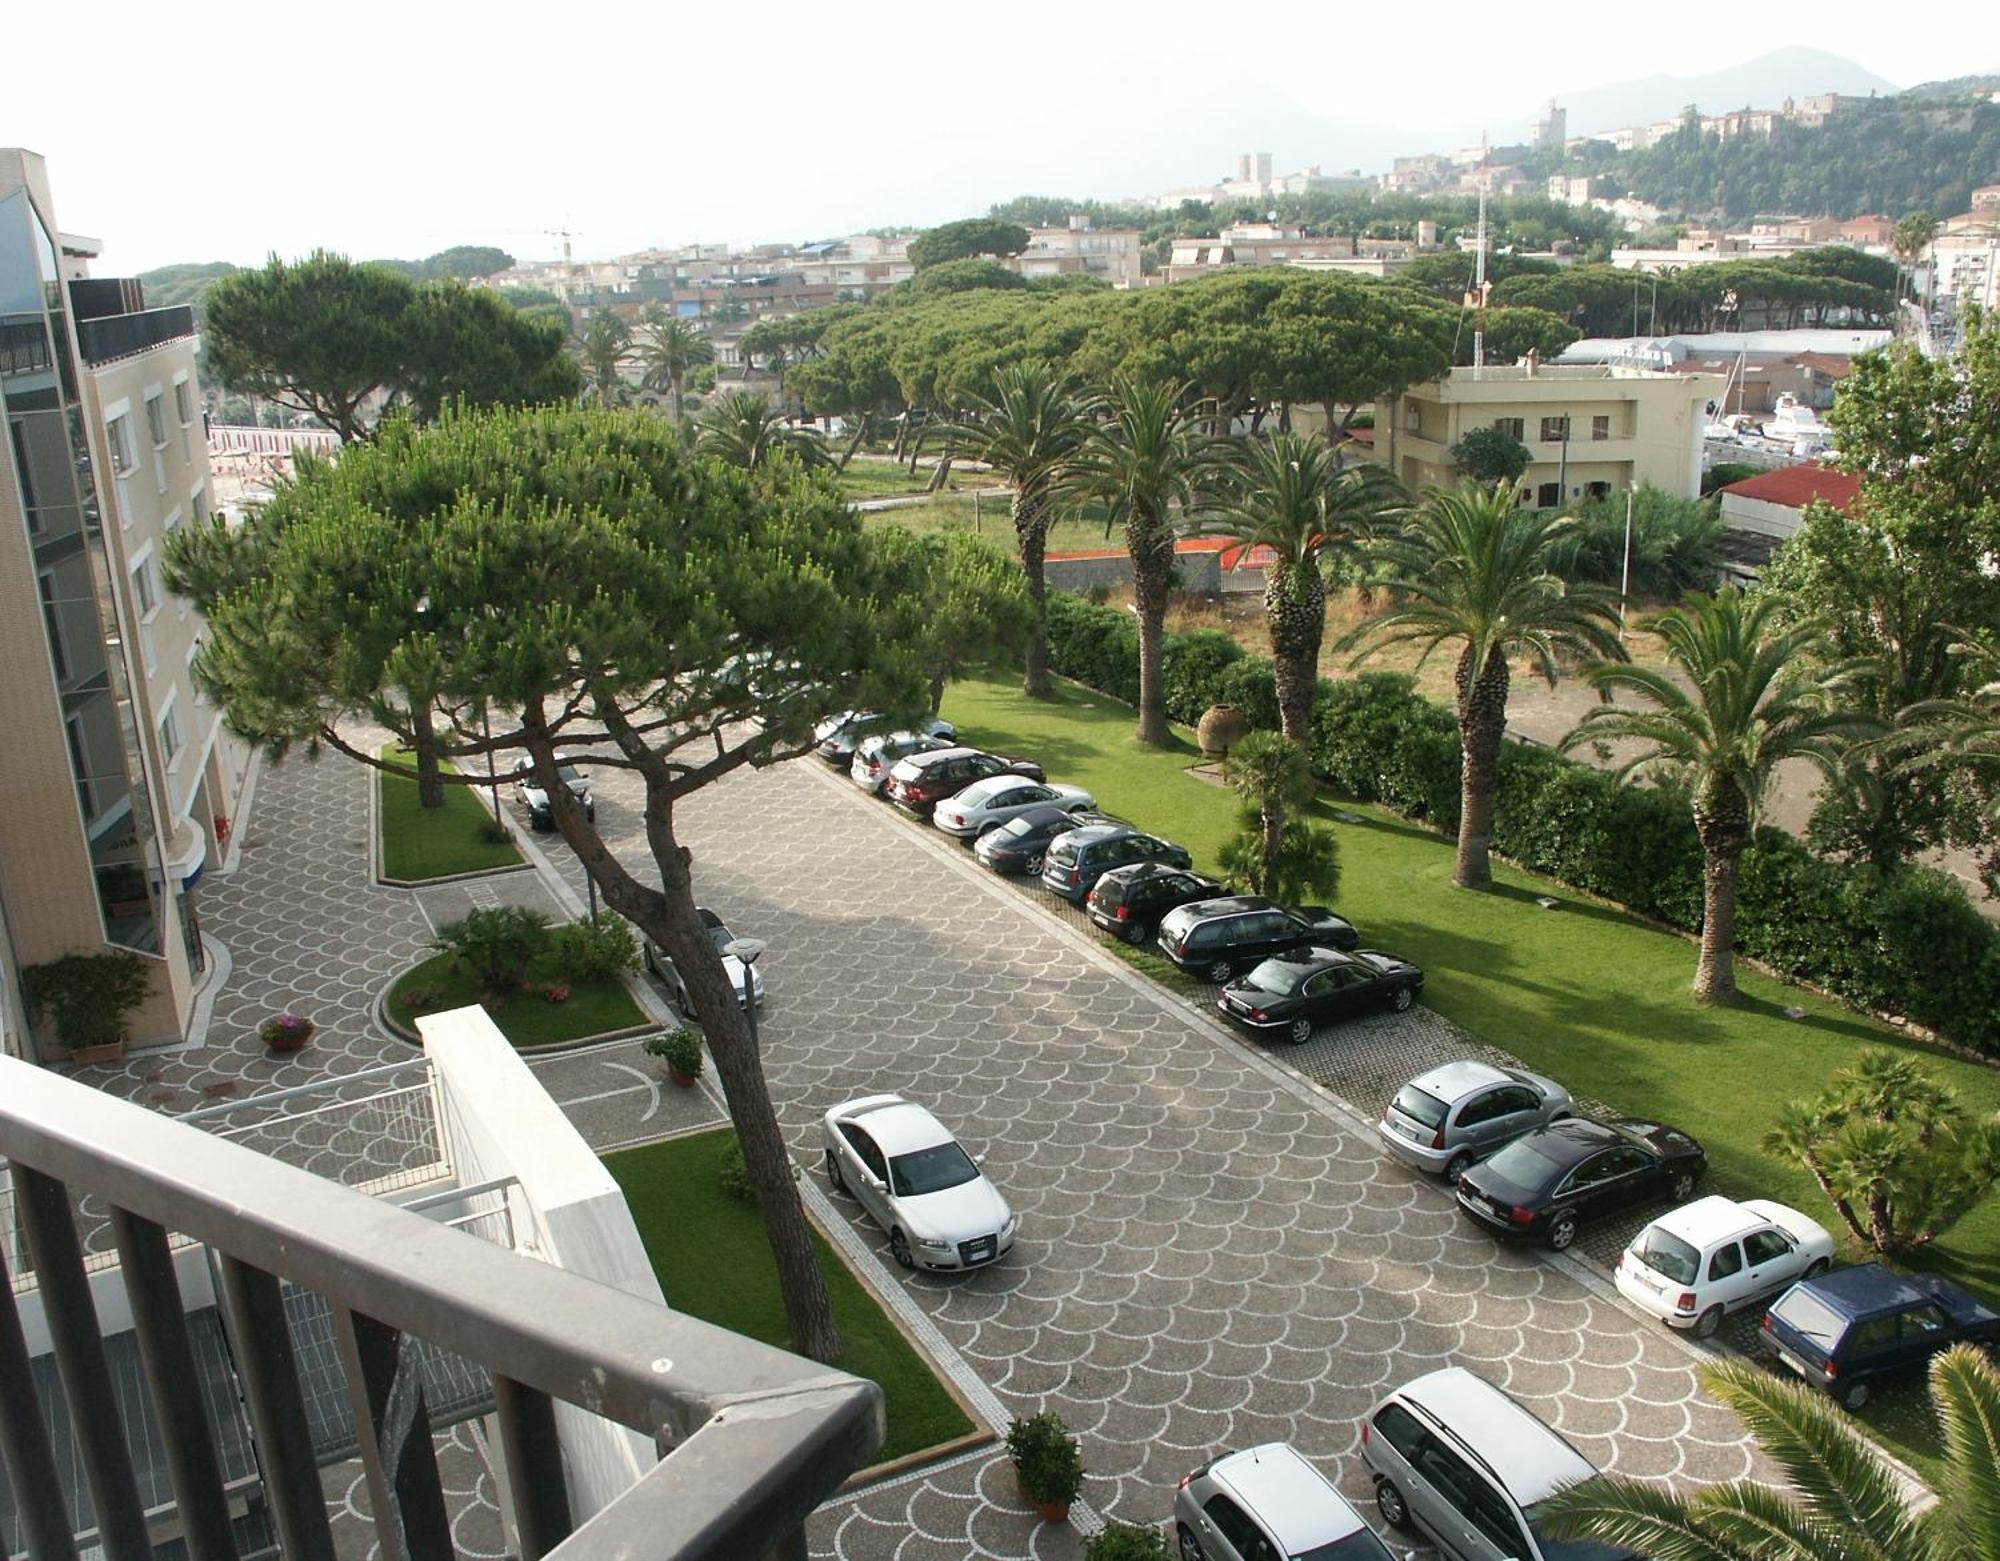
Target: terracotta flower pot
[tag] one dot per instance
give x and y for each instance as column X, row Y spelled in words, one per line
column 1221, row 728
column 685, row 1080
column 1050, row 1511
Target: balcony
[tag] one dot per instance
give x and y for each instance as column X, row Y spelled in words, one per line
column 190, row 1330
column 114, row 336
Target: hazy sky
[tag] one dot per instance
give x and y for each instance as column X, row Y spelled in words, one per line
column 224, row 130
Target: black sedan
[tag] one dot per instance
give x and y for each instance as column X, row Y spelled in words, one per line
column 1019, row 845
column 1544, row 1186
column 1291, row 993
column 1128, row 902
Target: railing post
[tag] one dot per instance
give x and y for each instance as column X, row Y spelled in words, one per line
column 532, row 1457
column 392, row 1427
column 24, row 1441
column 159, row 1325
column 50, row 1226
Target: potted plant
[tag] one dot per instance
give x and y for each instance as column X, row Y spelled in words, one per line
column 1126, row 1542
column 285, row 1032
column 680, row 1050
column 89, row 997
column 1047, row 1462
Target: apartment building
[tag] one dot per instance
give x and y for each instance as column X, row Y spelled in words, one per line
column 1111, row 254
column 1592, row 429
column 118, row 777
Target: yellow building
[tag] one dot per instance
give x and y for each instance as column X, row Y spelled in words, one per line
column 1591, row 428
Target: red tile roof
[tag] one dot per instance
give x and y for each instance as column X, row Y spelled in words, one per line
column 1797, row 486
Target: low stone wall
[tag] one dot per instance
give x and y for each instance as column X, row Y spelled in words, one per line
column 1080, row 572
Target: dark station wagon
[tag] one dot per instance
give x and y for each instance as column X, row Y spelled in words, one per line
column 1846, row 1330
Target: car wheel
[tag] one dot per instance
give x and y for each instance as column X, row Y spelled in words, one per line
column 1219, row 971
column 833, row 1177
column 1302, row 1031
column 683, row 1002
column 1562, row 1232
column 1133, row 933
column 1389, row 1502
column 1855, row 1395
column 899, row 1249
column 1455, row 1167
column 1708, row 1324
column 1190, row 1547
column 590, row 812
column 1034, row 867
column 1403, row 998
column 1815, row 1268
column 1682, row 1186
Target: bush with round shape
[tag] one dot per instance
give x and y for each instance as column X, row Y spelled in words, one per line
column 590, row 952
column 497, row 944
column 680, row 1050
column 1048, row 1460
column 1126, row 1542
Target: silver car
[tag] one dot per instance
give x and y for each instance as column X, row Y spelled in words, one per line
column 661, row 964
column 1458, row 1459
column 1443, row 1120
column 1266, row 1503
column 875, row 757
column 915, row 1180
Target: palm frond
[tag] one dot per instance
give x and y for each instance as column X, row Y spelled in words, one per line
column 1965, row 1387
column 1647, row 1518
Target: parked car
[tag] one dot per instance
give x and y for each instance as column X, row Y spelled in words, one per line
column 875, row 757
column 1546, row 1184
column 1846, row 1330
column 1213, row 939
column 1459, row 1460
column 1714, row 1256
column 1268, row 1504
column 528, row 791
column 987, row 804
column 1444, row 1119
column 1293, row 994
column 1074, row 862
column 661, row 964
column 1019, row 845
column 841, row 735
column 923, row 780
column 917, row 1182
column 1128, row 902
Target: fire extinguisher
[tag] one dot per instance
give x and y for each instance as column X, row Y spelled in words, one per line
column 222, row 829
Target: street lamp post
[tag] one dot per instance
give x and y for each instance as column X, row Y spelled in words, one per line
column 1625, row 573
column 747, row 950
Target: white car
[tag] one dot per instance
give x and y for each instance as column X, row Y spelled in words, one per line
column 990, row 803
column 528, row 790
column 916, row 1181
column 1266, row 1502
column 1713, row 1256
column 661, row 964
column 875, row 757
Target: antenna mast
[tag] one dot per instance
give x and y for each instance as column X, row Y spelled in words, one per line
column 1479, row 285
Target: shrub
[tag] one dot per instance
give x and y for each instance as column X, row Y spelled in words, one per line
column 1047, row 1458
column 1126, row 1542
column 1194, row 666
column 679, row 1049
column 89, row 996
column 494, row 833
column 285, row 1030
column 733, row 1174
column 588, row 952
column 1251, row 686
column 497, row 944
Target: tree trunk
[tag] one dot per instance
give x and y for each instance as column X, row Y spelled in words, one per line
column 674, row 384
column 937, row 691
column 860, row 433
column 1722, row 820
column 938, row 477
column 423, row 734
column 902, row 438
column 1151, row 544
column 1482, row 721
column 1295, row 614
column 1271, row 820
column 1031, row 532
column 668, row 916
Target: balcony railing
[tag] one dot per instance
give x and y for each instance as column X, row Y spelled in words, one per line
column 752, row 1439
column 117, row 336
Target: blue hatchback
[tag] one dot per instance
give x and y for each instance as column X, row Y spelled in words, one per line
column 1844, row 1331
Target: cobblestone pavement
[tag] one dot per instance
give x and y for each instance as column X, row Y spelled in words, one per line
column 1213, row 1253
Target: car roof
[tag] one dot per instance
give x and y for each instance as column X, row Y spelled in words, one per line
column 938, row 756
column 1097, row 834
column 1229, row 905
column 1531, row 1460
column 1044, row 813
column 997, row 785
column 1455, row 1080
column 1709, row 1220
column 1290, row 1495
column 1575, row 1137
column 898, row 1126
column 1864, row 1289
column 708, row 917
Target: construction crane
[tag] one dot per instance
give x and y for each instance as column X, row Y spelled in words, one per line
column 565, row 234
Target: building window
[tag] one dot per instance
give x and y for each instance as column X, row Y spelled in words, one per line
column 124, row 454
column 1555, row 429
column 183, row 402
column 198, row 502
column 52, row 620
column 145, row 587
column 1512, row 427
column 1600, row 427
column 1598, row 490
column 170, row 735
column 79, row 763
column 156, row 421
column 1549, row 495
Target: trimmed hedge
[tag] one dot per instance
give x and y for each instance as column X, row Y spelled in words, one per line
column 1907, row 941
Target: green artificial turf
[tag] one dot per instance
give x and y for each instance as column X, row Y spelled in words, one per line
column 713, row 1262
column 527, row 1018
column 420, row 843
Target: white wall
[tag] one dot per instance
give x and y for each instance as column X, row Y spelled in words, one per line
column 498, row 1121
column 1759, row 515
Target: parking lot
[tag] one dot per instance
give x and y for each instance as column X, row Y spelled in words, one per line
column 1213, row 1252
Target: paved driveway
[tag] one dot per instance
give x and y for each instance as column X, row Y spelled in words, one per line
column 1212, row 1254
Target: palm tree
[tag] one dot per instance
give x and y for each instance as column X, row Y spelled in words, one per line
column 1847, row 1506
column 1753, row 707
column 1151, row 465
column 1961, row 733
column 1294, row 497
column 600, row 349
column 668, row 348
column 1471, row 568
column 745, row 430
column 1030, row 432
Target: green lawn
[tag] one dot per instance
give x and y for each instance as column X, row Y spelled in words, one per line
column 709, row 1252
column 527, row 1018
column 420, row 843
column 1594, row 998
column 872, row 477
column 993, row 521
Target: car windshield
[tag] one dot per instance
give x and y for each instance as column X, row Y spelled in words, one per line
column 1419, row 1107
column 1274, row 976
column 1801, row 1309
column 1361, row 1545
column 721, row 937
column 1524, row 1165
column 931, row 1170
column 1571, row 1549
column 1668, row 1255
column 569, row 774
column 979, row 793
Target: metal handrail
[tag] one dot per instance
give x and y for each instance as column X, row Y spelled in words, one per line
column 754, row 1438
